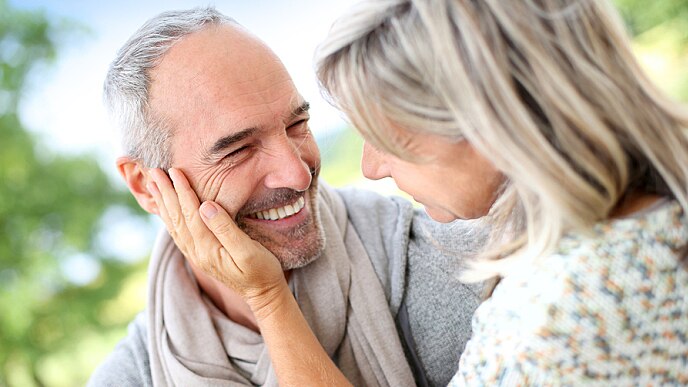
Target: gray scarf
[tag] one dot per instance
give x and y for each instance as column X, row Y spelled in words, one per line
column 191, row 343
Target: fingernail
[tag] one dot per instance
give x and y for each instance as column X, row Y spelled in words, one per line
column 208, row 210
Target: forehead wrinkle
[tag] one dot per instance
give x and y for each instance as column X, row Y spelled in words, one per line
column 202, row 90
column 234, row 100
column 241, row 80
column 280, row 75
column 261, row 114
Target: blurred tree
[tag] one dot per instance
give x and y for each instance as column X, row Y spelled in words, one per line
column 340, row 153
column 660, row 28
column 643, row 15
column 50, row 211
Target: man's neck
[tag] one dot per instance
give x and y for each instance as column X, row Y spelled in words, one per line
column 227, row 300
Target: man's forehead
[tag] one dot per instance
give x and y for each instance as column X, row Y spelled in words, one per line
column 198, row 61
column 203, row 84
column 261, row 117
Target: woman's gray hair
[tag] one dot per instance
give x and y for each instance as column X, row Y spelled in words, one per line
column 548, row 90
column 126, row 88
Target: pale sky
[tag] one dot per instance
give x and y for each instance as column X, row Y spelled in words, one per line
column 65, row 107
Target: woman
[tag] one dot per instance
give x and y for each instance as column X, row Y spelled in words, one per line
column 534, row 114
column 589, row 224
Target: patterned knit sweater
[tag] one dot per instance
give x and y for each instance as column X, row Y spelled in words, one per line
column 609, row 307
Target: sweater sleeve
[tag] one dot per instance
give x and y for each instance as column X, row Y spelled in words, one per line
column 510, row 361
column 518, row 338
column 128, row 364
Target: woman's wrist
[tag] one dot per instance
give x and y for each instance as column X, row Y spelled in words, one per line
column 270, row 300
column 286, row 331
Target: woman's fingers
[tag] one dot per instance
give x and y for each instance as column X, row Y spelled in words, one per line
column 204, row 241
column 244, row 263
column 223, row 227
column 168, row 197
column 213, row 241
column 241, row 249
column 179, row 209
column 160, row 203
column 185, row 193
column 189, row 203
column 170, row 211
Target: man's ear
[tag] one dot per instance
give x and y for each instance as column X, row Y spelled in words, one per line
column 136, row 177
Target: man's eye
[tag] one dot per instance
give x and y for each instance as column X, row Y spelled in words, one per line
column 236, row 152
column 298, row 124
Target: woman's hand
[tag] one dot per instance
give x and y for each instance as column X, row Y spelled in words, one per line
column 210, row 239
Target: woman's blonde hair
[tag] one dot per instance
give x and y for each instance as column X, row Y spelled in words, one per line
column 548, row 90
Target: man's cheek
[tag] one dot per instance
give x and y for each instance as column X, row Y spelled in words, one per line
column 229, row 187
column 229, row 204
column 230, row 201
column 208, row 182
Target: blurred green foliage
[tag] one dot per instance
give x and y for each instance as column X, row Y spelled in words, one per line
column 50, row 211
column 660, row 29
column 642, row 15
column 340, row 154
column 54, row 331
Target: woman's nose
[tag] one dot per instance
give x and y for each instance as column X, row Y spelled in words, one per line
column 373, row 163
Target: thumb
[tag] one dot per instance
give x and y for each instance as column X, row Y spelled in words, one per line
column 223, row 226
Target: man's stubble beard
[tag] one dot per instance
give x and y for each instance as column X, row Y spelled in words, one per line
column 293, row 256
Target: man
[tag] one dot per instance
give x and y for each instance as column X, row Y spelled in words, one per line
column 195, row 91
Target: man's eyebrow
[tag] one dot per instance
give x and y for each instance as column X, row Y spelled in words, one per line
column 301, row 109
column 227, row 141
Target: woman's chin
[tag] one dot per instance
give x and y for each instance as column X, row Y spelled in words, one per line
column 440, row 215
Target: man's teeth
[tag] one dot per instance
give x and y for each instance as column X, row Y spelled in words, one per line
column 280, row 213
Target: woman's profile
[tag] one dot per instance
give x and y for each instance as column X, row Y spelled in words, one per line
column 589, row 222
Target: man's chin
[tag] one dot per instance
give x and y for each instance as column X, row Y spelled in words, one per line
column 312, row 241
column 301, row 245
column 291, row 263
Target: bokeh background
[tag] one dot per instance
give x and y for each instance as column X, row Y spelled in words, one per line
column 73, row 243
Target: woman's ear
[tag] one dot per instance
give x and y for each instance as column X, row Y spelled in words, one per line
column 136, row 177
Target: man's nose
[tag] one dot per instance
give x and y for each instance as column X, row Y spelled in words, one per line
column 373, row 164
column 288, row 169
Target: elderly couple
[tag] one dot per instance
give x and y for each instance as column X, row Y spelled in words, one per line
column 531, row 117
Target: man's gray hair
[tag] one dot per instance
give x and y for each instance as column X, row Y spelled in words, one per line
column 125, row 92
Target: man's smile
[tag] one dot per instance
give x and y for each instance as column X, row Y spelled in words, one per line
column 285, row 215
column 280, row 212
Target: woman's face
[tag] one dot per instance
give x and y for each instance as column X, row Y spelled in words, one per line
column 455, row 182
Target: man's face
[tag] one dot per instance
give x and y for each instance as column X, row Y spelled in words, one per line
column 241, row 136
